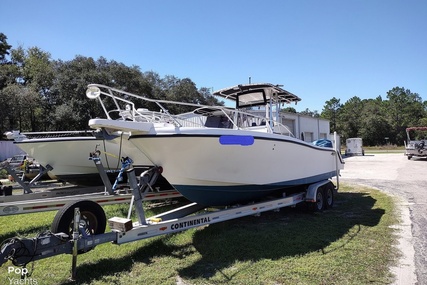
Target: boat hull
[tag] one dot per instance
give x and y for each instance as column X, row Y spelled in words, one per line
column 228, row 166
column 69, row 157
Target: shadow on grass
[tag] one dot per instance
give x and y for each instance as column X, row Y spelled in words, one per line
column 291, row 232
column 110, row 267
column 273, row 235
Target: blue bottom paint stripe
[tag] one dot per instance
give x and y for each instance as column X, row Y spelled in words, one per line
column 224, row 195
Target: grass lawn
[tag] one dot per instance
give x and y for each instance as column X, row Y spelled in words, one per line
column 352, row 243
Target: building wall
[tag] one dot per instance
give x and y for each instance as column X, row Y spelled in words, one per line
column 305, row 127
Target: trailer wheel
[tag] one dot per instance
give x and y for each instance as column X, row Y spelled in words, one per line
column 329, row 195
column 319, row 205
column 91, row 214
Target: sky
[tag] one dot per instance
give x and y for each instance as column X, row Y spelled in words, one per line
column 316, row 49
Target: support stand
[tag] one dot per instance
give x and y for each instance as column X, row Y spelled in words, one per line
column 139, row 190
column 43, row 171
column 16, row 177
column 20, row 180
column 75, row 243
column 94, row 156
column 146, row 180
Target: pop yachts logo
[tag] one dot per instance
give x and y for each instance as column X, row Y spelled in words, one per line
column 17, row 276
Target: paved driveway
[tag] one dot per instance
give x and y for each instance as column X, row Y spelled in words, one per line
column 407, row 179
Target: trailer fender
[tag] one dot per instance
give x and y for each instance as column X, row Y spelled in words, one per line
column 312, row 190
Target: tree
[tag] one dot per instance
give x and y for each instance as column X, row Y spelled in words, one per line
column 349, row 117
column 38, row 76
column 289, row 110
column 422, row 122
column 331, row 111
column 7, row 69
column 374, row 127
column 21, row 105
column 183, row 90
column 7, row 115
column 404, row 109
column 208, row 98
column 173, row 88
column 307, row 112
column 21, row 88
column 4, row 47
column 72, row 78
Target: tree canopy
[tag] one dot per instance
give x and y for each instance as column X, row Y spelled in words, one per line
column 377, row 121
column 41, row 94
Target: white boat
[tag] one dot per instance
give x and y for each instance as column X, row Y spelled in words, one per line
column 68, row 154
column 222, row 156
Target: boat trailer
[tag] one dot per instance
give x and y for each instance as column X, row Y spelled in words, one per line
column 80, row 225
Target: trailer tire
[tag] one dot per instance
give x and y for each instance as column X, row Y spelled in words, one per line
column 90, row 212
column 319, row 205
column 329, row 195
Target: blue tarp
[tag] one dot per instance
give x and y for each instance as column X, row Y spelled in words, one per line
column 323, row 143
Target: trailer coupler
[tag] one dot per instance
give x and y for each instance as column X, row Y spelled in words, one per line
column 21, row 251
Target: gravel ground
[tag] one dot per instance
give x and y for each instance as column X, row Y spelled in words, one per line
column 407, row 180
